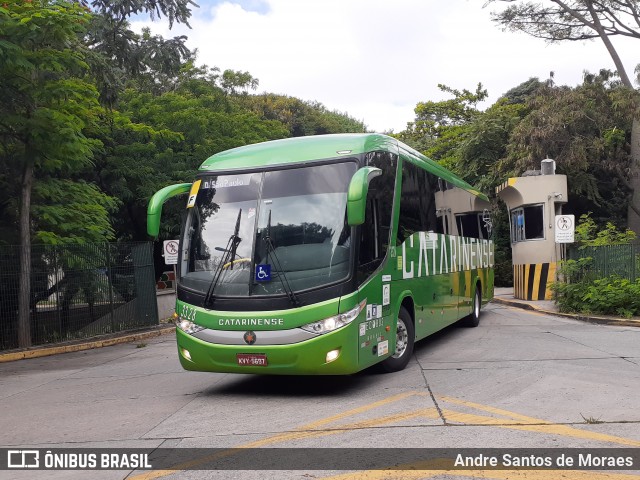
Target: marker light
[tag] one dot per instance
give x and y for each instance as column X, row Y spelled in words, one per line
column 332, row 355
column 333, row 323
column 186, row 354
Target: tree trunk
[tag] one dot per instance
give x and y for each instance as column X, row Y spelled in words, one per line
column 613, row 53
column 633, row 211
column 633, row 214
column 24, row 320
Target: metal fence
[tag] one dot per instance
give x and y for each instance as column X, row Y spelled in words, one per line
column 79, row 291
column 620, row 260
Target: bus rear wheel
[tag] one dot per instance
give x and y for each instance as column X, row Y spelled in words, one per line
column 405, row 338
column 473, row 319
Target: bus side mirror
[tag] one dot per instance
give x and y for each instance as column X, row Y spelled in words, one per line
column 154, row 210
column 357, row 194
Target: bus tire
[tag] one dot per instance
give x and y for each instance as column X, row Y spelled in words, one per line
column 405, row 338
column 473, row 319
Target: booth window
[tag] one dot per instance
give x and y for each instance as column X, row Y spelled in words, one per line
column 527, row 223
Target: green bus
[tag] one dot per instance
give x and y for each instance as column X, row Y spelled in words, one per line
column 324, row 255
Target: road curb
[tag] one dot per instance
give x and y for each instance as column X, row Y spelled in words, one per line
column 624, row 322
column 87, row 345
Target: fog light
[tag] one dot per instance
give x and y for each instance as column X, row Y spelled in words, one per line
column 332, row 355
column 186, row 354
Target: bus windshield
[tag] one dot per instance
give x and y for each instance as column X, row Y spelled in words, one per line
column 265, row 233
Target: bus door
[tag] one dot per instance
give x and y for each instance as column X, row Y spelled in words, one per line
column 374, row 269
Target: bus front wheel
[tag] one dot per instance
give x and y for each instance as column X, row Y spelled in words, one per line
column 405, row 337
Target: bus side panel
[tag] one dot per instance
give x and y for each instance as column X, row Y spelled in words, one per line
column 427, row 265
column 435, row 307
column 442, row 272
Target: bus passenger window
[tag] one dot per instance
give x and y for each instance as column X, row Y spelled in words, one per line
column 417, row 202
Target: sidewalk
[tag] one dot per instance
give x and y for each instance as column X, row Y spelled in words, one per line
column 79, row 345
column 504, row 296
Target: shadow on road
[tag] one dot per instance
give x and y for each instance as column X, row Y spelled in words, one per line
column 291, row 385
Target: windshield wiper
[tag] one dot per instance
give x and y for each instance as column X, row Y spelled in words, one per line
column 280, row 271
column 229, row 255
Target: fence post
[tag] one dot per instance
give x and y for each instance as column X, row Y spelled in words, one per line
column 110, row 279
column 57, row 280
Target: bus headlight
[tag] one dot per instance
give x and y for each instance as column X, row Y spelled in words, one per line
column 337, row 321
column 187, row 326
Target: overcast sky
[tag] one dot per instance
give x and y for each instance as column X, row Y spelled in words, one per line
column 375, row 59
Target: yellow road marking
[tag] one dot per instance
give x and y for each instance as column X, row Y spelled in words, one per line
column 512, row 420
column 300, row 432
column 546, row 427
column 363, row 408
column 517, row 420
column 423, row 470
column 490, row 409
column 376, row 422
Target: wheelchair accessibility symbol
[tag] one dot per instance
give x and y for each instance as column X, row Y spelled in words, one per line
column 263, row 273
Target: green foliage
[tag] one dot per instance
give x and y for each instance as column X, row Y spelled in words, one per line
column 582, row 291
column 435, row 130
column 503, row 264
column 47, row 108
column 611, row 295
column 67, row 211
column 470, row 142
column 300, row 117
column 484, row 144
column 587, row 233
column 586, row 130
column 522, row 92
column 119, row 56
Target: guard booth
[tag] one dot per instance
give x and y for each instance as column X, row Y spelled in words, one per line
column 533, row 201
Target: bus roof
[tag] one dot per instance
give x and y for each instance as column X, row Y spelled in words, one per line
column 319, row 147
column 297, row 149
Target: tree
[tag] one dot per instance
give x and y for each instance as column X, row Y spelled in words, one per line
column 299, row 116
column 438, row 125
column 118, row 56
column 46, row 105
column 583, row 128
column 482, row 147
column 575, row 20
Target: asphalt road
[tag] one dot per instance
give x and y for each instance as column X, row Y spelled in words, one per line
column 519, row 380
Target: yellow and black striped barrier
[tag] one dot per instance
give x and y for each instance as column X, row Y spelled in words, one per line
column 532, row 281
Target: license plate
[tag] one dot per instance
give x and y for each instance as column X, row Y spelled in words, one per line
column 252, row 359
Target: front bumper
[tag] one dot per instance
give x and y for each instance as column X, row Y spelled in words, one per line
column 307, row 357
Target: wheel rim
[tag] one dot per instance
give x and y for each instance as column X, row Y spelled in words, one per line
column 402, row 338
column 476, row 305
